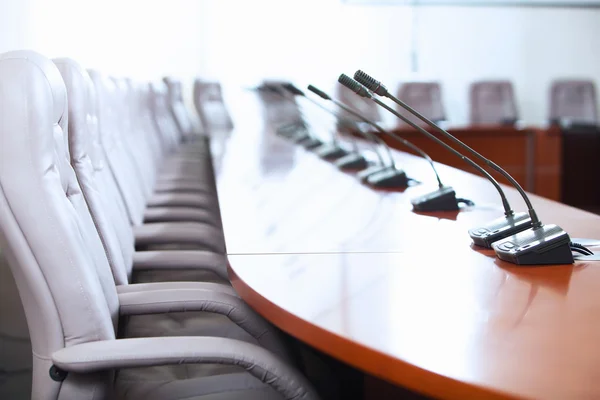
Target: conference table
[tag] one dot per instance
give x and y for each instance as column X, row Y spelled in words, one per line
column 405, row 297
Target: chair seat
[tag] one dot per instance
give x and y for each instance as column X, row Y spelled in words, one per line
column 177, row 275
column 197, row 200
column 180, row 214
column 180, row 234
column 191, row 382
column 199, row 323
column 183, row 185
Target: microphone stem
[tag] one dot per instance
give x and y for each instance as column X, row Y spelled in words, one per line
column 277, row 91
column 368, row 135
column 507, row 210
column 534, row 218
column 339, row 119
column 393, row 136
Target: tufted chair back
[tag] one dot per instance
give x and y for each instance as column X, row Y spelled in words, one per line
column 93, row 173
column 46, row 231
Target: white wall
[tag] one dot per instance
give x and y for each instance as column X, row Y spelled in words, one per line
column 146, row 39
column 315, row 40
column 241, row 41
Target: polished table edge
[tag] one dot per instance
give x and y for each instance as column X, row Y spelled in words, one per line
column 369, row 360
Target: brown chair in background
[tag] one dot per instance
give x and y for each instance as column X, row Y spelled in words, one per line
column 209, row 103
column 493, row 103
column 573, row 101
column 574, row 107
column 424, row 97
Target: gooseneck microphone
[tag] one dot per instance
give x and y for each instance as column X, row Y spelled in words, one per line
column 367, row 135
column 329, row 151
column 348, row 160
column 376, row 86
column 516, row 238
column 296, row 131
column 443, row 199
column 385, row 175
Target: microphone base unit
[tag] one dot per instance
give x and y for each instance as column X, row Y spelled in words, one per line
column 389, row 179
column 292, row 130
column 353, row 161
column 499, row 229
column 375, row 169
column 300, row 136
column 331, row 151
column 443, row 199
column 310, row 142
column 548, row 244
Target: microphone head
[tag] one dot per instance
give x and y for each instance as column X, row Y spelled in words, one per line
column 271, row 88
column 354, row 86
column 370, row 83
column 318, row 92
column 290, row 87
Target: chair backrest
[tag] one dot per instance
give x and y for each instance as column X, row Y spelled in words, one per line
column 144, row 120
column 136, row 146
column 91, row 168
column 178, row 108
column 210, row 105
column 115, row 152
column 365, row 107
column 159, row 106
column 493, row 103
column 424, row 97
column 573, row 100
column 46, row 231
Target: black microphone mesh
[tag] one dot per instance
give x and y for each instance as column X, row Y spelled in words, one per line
column 366, row 79
column 349, row 83
column 293, row 89
column 318, row 92
column 370, row 82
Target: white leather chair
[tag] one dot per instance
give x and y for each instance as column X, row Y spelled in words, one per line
column 170, row 223
column 74, row 311
column 107, row 207
column 210, row 106
column 181, row 115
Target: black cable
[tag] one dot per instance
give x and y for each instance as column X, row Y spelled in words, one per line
column 581, row 249
column 466, row 202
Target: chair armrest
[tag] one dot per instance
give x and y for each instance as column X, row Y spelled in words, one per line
column 181, row 259
column 146, row 352
column 186, row 300
column 150, row 287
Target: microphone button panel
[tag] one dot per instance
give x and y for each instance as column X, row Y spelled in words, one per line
column 548, row 244
column 499, row 229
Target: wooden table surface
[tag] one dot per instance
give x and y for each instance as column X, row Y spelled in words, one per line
column 403, row 296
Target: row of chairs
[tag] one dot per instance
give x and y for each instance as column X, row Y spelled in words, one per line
column 491, row 102
column 110, row 222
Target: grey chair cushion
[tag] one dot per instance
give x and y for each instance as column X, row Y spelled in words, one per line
column 183, row 200
column 180, row 233
column 180, row 214
column 177, row 275
column 205, row 382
